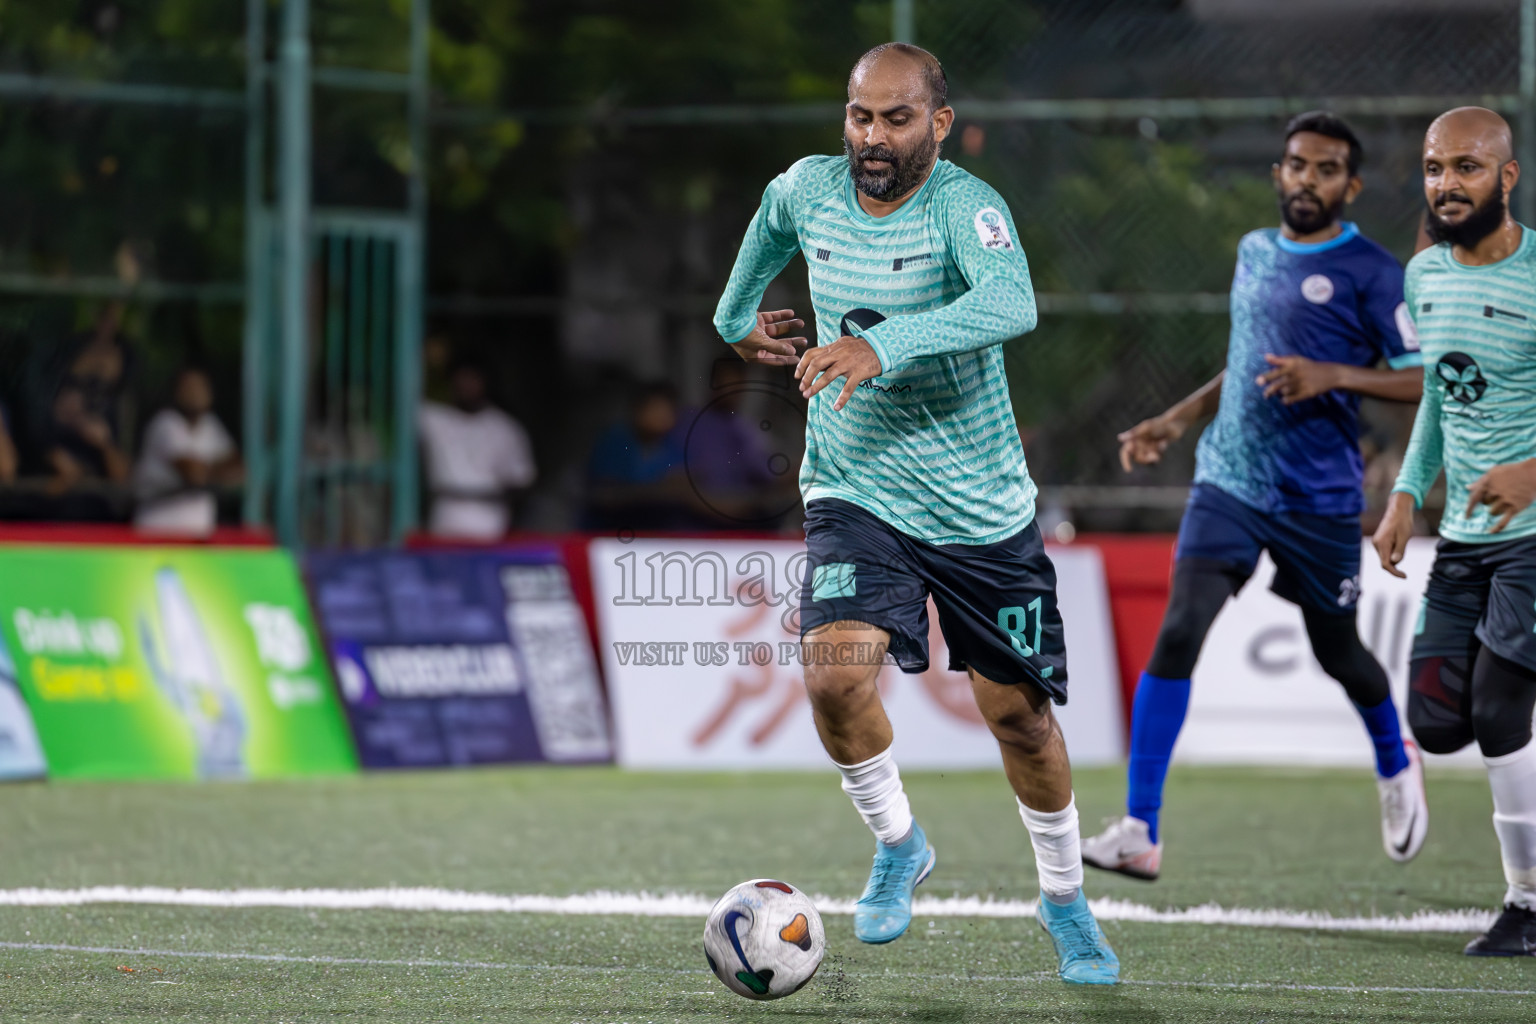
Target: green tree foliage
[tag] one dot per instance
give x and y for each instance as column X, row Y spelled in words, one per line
column 523, row 92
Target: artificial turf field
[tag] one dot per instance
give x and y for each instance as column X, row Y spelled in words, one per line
column 1294, row 840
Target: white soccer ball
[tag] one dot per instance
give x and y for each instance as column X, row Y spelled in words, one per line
column 764, row 939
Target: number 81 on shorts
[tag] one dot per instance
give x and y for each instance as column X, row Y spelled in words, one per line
column 1014, row 620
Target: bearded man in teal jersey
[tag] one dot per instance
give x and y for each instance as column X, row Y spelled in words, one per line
column 914, row 477
column 1473, row 670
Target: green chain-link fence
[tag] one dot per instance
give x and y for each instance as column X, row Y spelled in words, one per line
column 591, row 167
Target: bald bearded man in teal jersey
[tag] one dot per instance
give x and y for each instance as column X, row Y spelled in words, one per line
column 914, row 476
column 1472, row 675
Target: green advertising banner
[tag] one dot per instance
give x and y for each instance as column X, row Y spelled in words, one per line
column 170, row 663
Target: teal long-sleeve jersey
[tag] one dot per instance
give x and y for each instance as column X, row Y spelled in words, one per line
column 1477, row 328
column 930, row 446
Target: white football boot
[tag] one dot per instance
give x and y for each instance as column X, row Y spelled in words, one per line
column 1404, row 810
column 1125, row 847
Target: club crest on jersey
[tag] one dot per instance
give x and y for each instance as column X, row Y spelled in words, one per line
column 993, row 229
column 1317, row 289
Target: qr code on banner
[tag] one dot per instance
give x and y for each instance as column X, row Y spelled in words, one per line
column 562, row 684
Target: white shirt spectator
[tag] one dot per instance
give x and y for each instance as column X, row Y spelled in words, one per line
column 166, row 505
column 472, row 460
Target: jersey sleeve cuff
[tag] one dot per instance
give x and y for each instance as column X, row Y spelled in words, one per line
column 737, row 329
column 1406, row 361
column 1418, row 499
column 881, row 352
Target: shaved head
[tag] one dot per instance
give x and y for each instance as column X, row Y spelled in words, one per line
column 930, row 73
column 1469, row 169
column 1474, row 126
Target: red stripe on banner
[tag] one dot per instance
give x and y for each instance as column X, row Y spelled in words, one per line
column 117, row 534
column 1138, row 571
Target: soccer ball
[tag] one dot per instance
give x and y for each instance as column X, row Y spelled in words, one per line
column 764, row 939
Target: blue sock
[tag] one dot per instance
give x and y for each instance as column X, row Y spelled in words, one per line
column 1386, row 733
column 1157, row 715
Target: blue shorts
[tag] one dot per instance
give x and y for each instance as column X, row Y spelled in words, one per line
column 996, row 602
column 1317, row 558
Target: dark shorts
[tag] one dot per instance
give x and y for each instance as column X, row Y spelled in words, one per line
column 1317, row 558
column 996, row 602
column 1480, row 593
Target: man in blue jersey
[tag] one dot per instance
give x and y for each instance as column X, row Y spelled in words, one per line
column 1473, row 666
column 1315, row 305
column 914, row 478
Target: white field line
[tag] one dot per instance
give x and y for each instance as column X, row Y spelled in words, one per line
column 1039, row 977
column 643, row 904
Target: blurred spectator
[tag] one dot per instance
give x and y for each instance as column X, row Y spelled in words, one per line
column 80, row 445
column 79, row 450
column 186, row 452
column 99, row 369
column 476, row 455
column 729, row 464
column 437, row 366
column 635, row 475
column 101, row 364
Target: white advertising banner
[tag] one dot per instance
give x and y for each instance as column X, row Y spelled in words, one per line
column 1260, row 696
column 703, row 664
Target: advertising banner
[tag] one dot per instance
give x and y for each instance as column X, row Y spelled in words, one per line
column 702, row 657
column 1259, row 695
column 461, row 657
column 168, row 663
column 21, row 754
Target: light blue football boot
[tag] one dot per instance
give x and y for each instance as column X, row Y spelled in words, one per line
column 885, row 909
column 1085, row 956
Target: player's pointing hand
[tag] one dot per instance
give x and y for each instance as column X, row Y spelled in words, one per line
column 774, row 340
column 848, row 357
column 1144, row 444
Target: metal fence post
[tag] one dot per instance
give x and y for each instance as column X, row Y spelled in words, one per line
column 409, row 288
column 293, row 193
column 412, row 269
column 258, row 258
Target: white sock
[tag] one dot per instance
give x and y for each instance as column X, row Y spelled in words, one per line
column 1058, row 850
column 1512, row 777
column 875, row 786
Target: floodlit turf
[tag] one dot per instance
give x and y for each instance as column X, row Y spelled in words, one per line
column 1298, row 840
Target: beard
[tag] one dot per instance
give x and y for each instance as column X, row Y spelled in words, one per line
column 1306, row 220
column 905, row 172
column 1483, row 221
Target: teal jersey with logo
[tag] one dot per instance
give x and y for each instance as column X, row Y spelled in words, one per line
column 930, row 446
column 1477, row 330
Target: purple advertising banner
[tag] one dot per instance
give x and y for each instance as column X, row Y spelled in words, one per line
column 461, row 657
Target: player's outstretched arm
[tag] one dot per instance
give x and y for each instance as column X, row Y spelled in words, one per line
column 1295, row 379
column 771, row 241
column 1000, row 304
column 1144, row 444
column 1421, row 465
column 775, row 340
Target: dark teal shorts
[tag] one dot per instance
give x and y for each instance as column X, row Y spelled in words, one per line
column 996, row 602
